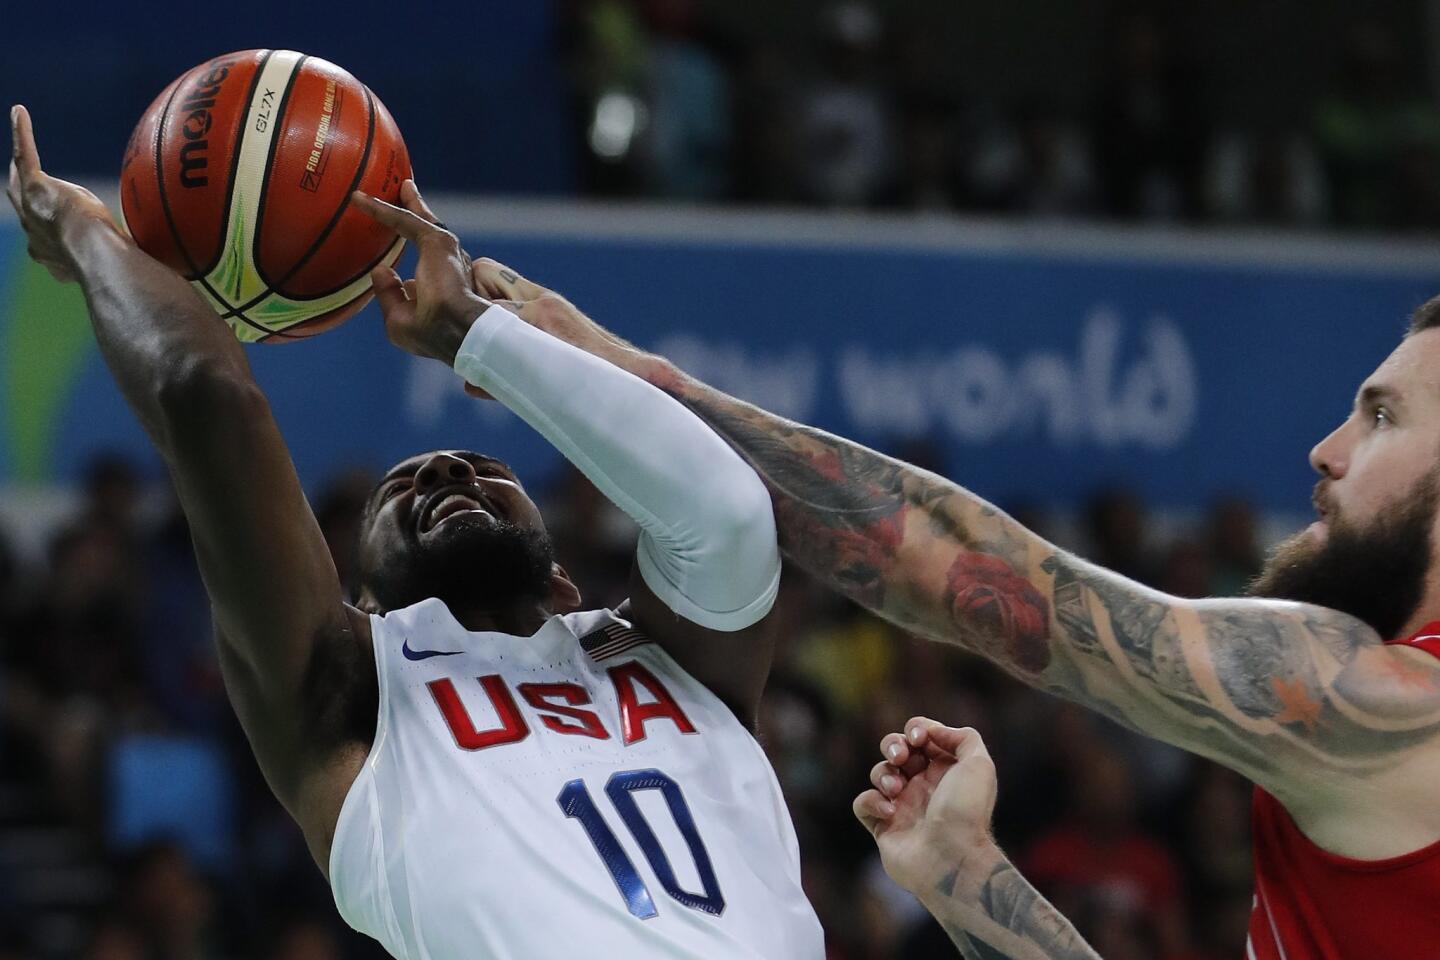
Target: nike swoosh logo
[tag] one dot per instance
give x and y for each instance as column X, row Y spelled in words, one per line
column 424, row 654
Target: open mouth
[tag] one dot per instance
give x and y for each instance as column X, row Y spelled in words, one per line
column 452, row 502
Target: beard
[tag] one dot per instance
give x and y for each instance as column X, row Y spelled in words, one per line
column 1375, row 573
column 470, row 564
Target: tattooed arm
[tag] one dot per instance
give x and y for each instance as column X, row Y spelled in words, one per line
column 930, row 813
column 1305, row 701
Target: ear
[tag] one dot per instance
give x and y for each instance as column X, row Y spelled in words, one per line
column 564, row 595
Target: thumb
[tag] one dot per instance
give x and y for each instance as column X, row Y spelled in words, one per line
column 395, row 305
column 934, row 735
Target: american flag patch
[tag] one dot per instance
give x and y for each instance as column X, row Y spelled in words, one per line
column 611, row 639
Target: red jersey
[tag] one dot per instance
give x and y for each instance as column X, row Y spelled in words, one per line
column 1314, row 905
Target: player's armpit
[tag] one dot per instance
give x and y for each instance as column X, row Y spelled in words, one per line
column 733, row 665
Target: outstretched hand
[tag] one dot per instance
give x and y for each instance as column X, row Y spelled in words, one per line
column 932, row 801
column 430, row 314
column 47, row 206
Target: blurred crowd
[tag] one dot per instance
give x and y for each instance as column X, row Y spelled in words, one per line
column 864, row 111
column 134, row 824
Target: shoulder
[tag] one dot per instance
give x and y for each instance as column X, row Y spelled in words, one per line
column 605, row 633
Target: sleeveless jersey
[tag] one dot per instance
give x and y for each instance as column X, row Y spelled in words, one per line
column 1314, row 905
column 574, row 793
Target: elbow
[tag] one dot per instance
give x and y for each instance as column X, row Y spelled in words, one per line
column 198, row 387
column 741, row 513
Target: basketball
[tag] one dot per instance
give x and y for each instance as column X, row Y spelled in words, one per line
column 239, row 176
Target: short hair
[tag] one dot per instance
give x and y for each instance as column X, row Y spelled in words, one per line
column 1425, row 317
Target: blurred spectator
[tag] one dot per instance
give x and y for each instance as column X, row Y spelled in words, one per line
column 115, row 939
column 1377, row 137
column 309, row 939
column 767, row 154
column 177, row 644
column 931, row 119
column 1185, row 571
column 1150, row 129
column 170, row 904
column 608, row 62
column 74, row 664
column 112, row 494
column 655, row 101
column 1216, row 832
column 1271, row 177
column 1235, row 554
column 1115, row 525
column 1100, row 858
column 1033, row 163
column 845, row 124
column 929, row 176
column 594, row 541
column 687, row 92
column 338, row 510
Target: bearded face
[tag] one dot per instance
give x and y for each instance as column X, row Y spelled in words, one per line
column 469, row 565
column 1374, row 571
column 458, row 526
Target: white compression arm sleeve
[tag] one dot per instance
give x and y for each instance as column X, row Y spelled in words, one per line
column 707, row 546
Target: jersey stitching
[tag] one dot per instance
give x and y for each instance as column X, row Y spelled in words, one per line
column 1269, row 917
column 382, row 730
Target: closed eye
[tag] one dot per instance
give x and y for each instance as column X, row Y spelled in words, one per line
column 395, row 487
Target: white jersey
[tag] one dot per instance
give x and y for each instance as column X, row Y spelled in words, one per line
column 570, row 794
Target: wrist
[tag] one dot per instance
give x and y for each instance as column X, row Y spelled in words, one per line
column 452, row 332
column 80, row 229
column 958, row 872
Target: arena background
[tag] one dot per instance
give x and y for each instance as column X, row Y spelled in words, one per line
column 1115, row 267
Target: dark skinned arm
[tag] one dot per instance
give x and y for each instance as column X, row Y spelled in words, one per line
column 295, row 658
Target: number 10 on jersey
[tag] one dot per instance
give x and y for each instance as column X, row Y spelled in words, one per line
column 576, row 802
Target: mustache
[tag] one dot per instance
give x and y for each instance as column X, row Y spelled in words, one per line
column 1322, row 499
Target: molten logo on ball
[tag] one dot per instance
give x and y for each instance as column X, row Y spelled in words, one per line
column 196, row 126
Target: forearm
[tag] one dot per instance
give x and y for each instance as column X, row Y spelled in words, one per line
column 991, row 912
column 910, row 546
column 708, row 544
column 153, row 330
column 1280, row 692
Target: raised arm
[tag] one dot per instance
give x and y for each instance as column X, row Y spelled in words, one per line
column 707, row 565
column 1303, row 700
column 929, row 811
column 273, row 588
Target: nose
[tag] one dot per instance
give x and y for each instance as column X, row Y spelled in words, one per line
column 1331, row 456
column 442, row 469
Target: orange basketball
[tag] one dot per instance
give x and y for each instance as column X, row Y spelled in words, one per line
column 239, row 176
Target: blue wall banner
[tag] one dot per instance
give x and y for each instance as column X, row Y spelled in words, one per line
column 1037, row 371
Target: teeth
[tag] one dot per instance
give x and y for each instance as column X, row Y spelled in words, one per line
column 451, row 504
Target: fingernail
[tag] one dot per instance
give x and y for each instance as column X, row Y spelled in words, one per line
column 889, row 784
column 887, row 808
column 894, row 750
column 914, row 733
